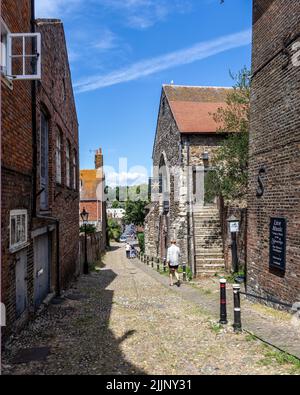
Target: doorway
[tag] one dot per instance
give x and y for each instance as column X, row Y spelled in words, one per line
column 41, row 268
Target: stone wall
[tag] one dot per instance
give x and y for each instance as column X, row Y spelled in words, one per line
column 274, row 147
column 177, row 151
column 95, row 247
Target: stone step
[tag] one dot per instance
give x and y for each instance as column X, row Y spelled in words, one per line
column 211, row 267
column 209, row 261
column 210, row 253
column 208, row 273
column 207, row 221
column 207, row 238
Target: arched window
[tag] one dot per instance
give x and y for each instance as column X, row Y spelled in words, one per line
column 68, row 164
column 58, row 156
column 74, row 170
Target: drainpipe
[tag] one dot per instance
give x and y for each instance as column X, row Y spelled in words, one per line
column 34, row 123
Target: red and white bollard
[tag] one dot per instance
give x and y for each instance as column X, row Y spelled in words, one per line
column 223, row 307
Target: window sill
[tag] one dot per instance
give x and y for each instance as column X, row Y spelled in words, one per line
column 19, row 247
column 6, row 81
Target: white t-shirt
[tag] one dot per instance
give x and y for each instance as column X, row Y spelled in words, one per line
column 128, row 247
column 173, row 255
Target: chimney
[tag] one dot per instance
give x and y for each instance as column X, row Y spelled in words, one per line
column 98, row 159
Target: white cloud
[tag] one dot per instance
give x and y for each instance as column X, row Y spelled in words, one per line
column 107, row 40
column 55, row 8
column 126, row 178
column 147, row 67
column 142, row 14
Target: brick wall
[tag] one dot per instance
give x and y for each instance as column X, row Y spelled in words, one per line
column 16, row 151
column 55, row 96
column 274, row 146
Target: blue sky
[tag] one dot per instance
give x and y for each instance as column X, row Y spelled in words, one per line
column 122, row 51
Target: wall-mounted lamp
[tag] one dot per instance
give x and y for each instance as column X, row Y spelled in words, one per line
column 205, row 156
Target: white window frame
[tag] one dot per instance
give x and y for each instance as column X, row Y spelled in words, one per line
column 20, row 243
column 58, row 157
column 4, row 48
column 10, row 56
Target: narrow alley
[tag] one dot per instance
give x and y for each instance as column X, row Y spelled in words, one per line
column 120, row 320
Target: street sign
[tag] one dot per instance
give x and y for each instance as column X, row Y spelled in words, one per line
column 278, row 243
column 234, row 227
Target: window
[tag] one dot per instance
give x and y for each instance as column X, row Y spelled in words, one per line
column 68, row 165
column 20, row 54
column 58, row 156
column 3, row 53
column 74, row 170
column 44, row 154
column 18, row 228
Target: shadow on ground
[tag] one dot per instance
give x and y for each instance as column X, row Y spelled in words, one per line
column 77, row 333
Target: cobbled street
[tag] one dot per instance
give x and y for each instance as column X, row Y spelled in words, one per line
column 120, row 320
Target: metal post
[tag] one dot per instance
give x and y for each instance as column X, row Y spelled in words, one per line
column 184, row 271
column 157, row 264
column 235, row 261
column 165, row 264
column 86, row 265
column 223, row 310
column 148, row 260
column 152, row 262
column 237, row 308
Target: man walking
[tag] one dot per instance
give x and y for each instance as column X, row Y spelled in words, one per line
column 173, row 262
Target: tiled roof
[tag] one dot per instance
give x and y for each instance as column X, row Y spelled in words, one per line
column 90, row 180
column 193, row 107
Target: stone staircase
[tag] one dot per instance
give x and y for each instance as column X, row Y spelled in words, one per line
column 208, row 241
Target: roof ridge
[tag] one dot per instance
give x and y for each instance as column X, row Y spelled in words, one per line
column 198, row 86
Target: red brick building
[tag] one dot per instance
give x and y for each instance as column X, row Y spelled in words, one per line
column 92, row 186
column 274, row 184
column 40, row 188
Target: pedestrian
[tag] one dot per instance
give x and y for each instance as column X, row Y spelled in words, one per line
column 173, row 256
column 132, row 252
column 128, row 248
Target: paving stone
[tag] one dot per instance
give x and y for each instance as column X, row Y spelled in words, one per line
column 134, row 324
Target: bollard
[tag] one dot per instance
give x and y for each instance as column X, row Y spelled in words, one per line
column 223, row 311
column 148, row 258
column 183, row 271
column 165, row 265
column 237, row 325
column 152, row 262
column 157, row 264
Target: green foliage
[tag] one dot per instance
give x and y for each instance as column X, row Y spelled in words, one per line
column 123, row 193
column 90, row 229
column 229, row 177
column 281, row 358
column 135, row 212
column 114, row 229
column 141, row 240
column 116, row 204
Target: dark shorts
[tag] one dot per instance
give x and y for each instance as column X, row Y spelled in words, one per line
column 172, row 268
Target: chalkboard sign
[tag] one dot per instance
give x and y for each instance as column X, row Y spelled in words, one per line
column 278, row 243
